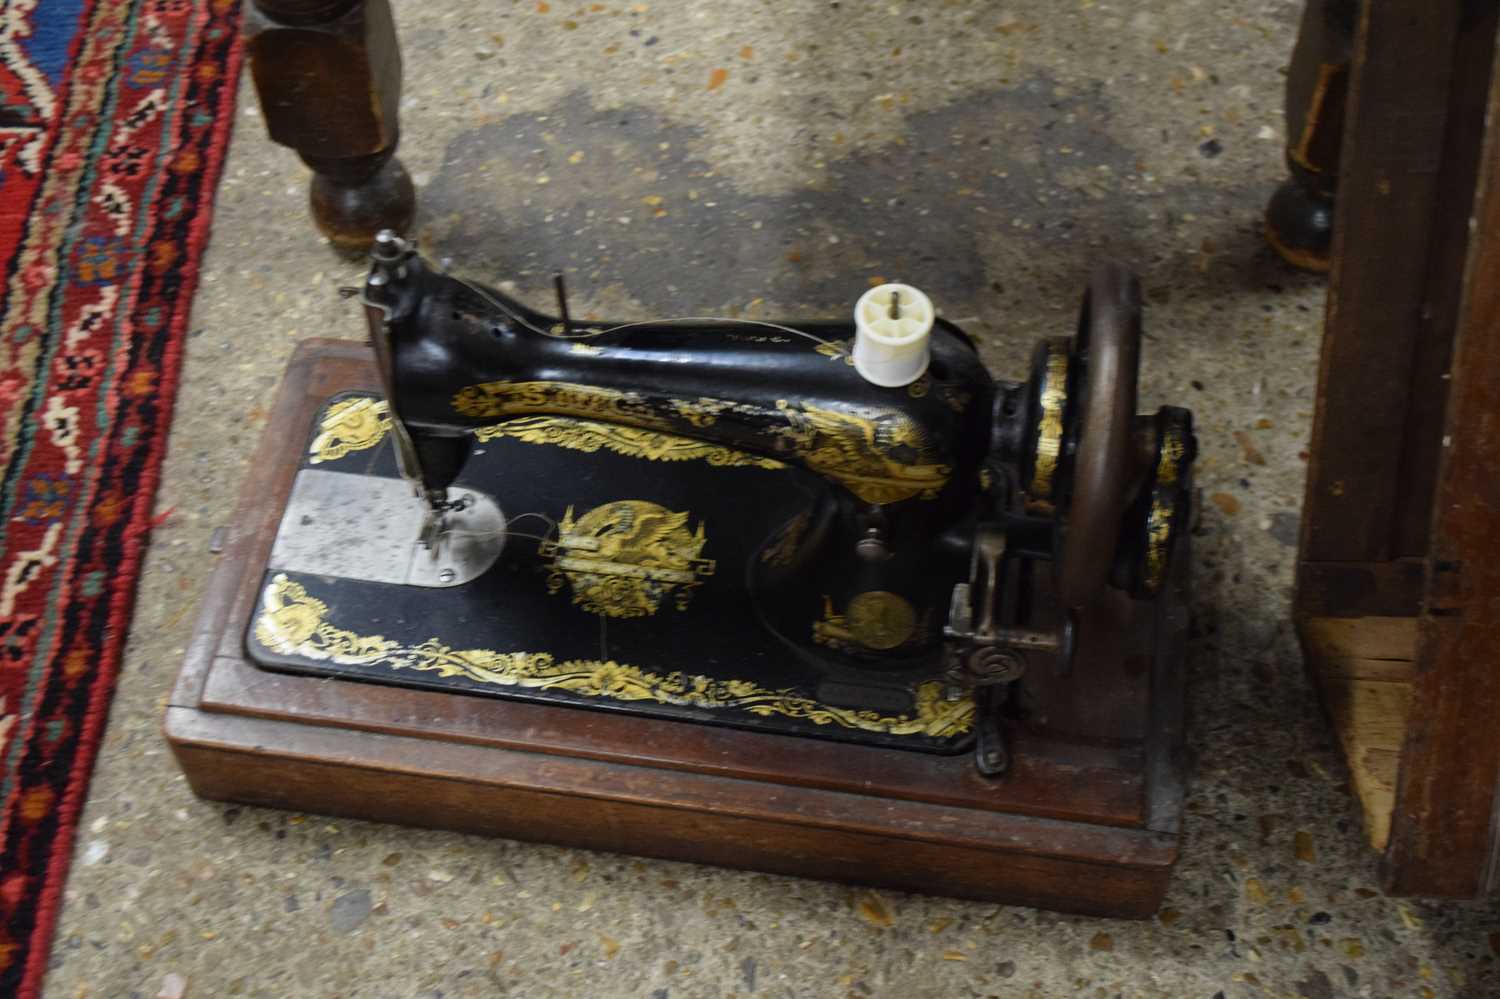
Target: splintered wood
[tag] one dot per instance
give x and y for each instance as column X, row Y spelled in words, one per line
column 1363, row 666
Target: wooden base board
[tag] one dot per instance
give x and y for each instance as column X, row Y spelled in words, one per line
column 1363, row 668
column 1080, row 825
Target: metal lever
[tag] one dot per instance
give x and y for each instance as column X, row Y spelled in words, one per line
column 990, row 652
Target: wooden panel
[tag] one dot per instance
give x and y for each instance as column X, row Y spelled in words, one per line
column 1388, row 194
column 840, row 837
column 1421, row 445
column 1442, row 837
column 1104, row 784
column 1363, row 668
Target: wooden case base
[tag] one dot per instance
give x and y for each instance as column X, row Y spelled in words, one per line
column 1080, row 825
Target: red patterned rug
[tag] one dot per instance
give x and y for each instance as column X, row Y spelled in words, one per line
column 114, row 115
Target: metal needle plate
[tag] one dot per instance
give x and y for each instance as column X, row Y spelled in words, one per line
column 366, row 527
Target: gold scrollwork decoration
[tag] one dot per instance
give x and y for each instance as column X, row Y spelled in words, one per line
column 881, row 458
column 350, row 425
column 294, row 623
column 837, row 350
column 500, row 399
column 1162, row 521
column 623, row 558
column 863, row 453
column 589, row 436
column 701, row 412
column 1049, row 432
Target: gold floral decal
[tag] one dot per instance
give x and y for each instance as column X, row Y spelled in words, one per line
column 623, row 558
column 882, row 458
column 357, row 424
column 501, row 399
column 1162, row 521
column 1049, row 431
column 350, row 425
column 293, row 623
column 588, row 436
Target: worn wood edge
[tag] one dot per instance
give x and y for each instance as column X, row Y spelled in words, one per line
column 399, row 755
column 296, row 380
column 1371, row 719
column 1115, row 871
column 1359, row 589
column 1362, row 648
column 512, row 724
column 1362, row 670
column 1364, row 637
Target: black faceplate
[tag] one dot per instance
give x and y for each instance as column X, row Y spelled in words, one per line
column 504, row 634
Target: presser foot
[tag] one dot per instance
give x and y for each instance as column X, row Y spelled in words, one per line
column 440, row 521
column 371, row 528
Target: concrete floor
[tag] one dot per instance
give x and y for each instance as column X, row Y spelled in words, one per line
column 986, row 153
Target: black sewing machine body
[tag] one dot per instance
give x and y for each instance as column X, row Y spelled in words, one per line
column 730, row 524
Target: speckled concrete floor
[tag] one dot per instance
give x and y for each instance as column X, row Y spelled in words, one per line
column 985, row 152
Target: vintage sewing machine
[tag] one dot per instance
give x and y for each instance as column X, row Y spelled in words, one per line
column 821, row 597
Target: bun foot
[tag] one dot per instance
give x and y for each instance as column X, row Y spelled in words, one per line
column 351, row 213
column 1299, row 226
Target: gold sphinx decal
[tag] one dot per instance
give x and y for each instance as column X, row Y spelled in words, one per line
column 291, row 622
column 623, row 558
column 880, row 460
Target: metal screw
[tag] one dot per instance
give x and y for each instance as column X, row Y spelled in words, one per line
column 388, row 246
column 994, row 663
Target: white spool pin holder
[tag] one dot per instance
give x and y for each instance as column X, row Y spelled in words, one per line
column 892, row 334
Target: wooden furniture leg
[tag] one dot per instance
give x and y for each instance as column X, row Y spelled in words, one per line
column 328, row 73
column 1299, row 219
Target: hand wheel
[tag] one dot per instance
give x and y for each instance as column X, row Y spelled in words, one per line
column 1097, row 455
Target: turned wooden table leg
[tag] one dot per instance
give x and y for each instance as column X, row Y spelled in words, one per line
column 1299, row 219
column 328, row 73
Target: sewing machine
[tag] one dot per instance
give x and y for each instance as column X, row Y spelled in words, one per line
column 803, row 586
